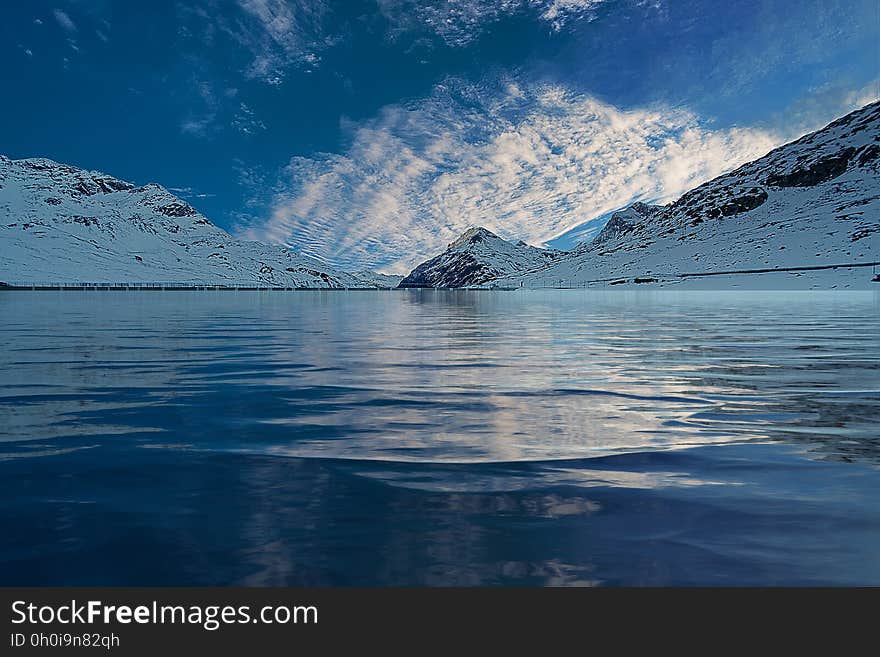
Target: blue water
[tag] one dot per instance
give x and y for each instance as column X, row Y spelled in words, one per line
column 440, row 438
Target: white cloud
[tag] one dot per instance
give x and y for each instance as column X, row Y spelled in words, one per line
column 870, row 93
column 197, row 127
column 558, row 12
column 458, row 22
column 246, row 122
column 190, row 193
column 526, row 161
column 276, row 36
column 281, row 34
column 823, row 103
column 201, row 121
column 64, row 20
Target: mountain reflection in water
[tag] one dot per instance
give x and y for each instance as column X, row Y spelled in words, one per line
column 440, row 437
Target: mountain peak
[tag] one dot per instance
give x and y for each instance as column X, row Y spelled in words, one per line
column 624, row 221
column 476, row 257
column 473, row 235
column 62, row 223
column 811, row 205
column 65, row 176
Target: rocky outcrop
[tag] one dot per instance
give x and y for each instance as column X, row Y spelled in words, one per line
column 625, row 221
column 818, row 171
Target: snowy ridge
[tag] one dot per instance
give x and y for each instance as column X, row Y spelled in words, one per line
column 61, row 223
column 378, row 280
column 626, row 221
column 476, row 257
column 812, row 202
column 809, row 204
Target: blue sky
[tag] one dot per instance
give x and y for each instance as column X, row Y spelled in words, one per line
column 371, row 132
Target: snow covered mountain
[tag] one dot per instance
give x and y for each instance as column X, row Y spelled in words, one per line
column 377, row 279
column 476, row 257
column 813, row 202
column 624, row 222
column 59, row 223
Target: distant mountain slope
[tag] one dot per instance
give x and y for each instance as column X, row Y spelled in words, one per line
column 61, row 223
column 375, row 279
column 626, row 221
column 579, row 234
column 476, row 257
column 812, row 202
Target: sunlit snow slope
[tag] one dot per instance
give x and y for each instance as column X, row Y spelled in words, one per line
column 476, row 257
column 63, row 224
column 810, row 203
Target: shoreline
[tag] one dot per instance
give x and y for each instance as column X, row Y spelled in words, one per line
column 644, row 281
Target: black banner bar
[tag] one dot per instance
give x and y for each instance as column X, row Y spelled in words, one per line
column 151, row 621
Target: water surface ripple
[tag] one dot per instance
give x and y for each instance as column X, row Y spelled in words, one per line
column 440, row 437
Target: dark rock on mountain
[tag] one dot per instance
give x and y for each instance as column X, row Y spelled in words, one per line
column 814, row 173
column 625, row 221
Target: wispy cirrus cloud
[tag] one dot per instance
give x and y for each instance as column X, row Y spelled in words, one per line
column 197, row 126
column 286, row 35
column 526, row 161
column 190, row 193
column 275, row 37
column 281, row 34
column 67, row 24
column 559, row 12
column 246, row 122
column 64, row 21
column 212, row 111
column 201, row 120
column 459, row 22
